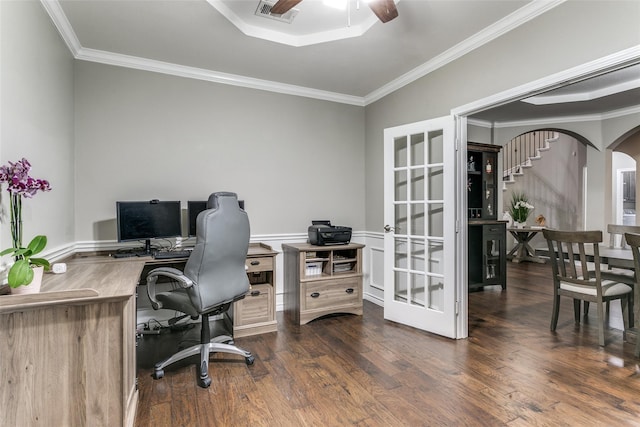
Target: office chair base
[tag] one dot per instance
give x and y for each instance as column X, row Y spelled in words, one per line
column 205, row 351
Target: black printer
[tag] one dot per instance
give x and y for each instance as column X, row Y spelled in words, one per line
column 322, row 233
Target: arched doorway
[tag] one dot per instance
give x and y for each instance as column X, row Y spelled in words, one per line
column 549, row 171
column 623, row 159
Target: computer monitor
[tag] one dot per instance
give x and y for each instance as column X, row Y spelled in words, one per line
column 153, row 219
column 194, row 207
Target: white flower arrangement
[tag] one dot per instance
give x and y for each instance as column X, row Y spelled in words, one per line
column 520, row 207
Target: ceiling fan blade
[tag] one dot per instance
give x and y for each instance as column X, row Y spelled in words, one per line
column 283, row 6
column 385, row 10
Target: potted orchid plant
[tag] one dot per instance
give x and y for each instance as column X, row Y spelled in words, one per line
column 20, row 185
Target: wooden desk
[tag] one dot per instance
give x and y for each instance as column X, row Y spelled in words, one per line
column 523, row 251
column 68, row 355
column 69, row 352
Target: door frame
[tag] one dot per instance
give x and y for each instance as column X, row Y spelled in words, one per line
column 584, row 71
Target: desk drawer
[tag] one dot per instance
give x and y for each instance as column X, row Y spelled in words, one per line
column 331, row 293
column 259, row 264
column 256, row 307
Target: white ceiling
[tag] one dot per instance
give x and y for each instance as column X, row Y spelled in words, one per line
column 223, row 40
column 195, row 34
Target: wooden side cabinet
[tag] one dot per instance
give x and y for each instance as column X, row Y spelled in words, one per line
column 256, row 313
column 321, row 280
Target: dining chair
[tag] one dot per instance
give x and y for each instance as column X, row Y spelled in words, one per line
column 575, row 263
column 633, row 240
column 612, row 272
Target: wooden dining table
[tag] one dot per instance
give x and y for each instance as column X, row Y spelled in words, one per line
column 523, row 251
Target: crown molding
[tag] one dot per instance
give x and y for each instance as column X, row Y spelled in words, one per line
column 571, row 75
column 503, row 26
column 479, row 123
column 570, row 119
column 152, row 65
column 582, row 96
column 62, row 24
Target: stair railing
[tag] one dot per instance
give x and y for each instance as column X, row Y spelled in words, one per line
column 518, row 152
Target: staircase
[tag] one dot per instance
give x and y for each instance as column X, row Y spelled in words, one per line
column 519, row 153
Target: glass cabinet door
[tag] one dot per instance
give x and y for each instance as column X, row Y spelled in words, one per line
column 489, row 178
column 492, row 256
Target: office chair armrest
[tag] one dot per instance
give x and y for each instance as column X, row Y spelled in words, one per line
column 172, row 273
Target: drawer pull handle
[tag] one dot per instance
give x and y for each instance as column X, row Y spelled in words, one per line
column 255, row 293
column 315, row 295
column 349, row 290
column 255, row 262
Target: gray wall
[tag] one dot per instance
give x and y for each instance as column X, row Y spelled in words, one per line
column 569, row 35
column 142, row 135
column 36, row 118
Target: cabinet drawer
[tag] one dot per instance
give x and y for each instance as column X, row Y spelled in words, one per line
column 494, row 230
column 256, row 307
column 331, row 293
column 259, row 264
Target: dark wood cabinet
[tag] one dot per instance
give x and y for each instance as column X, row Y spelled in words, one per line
column 482, row 181
column 487, row 236
column 487, row 254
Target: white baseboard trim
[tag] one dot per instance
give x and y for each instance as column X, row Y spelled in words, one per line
column 374, row 299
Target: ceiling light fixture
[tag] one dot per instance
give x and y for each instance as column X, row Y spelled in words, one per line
column 336, row 4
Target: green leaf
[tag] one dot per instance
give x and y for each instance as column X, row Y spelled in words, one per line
column 40, row 261
column 7, row 251
column 20, row 274
column 22, row 251
column 37, row 244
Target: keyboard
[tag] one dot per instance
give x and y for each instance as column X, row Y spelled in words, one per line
column 171, row 254
column 124, row 254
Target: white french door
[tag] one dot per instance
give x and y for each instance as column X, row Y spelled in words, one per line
column 420, row 225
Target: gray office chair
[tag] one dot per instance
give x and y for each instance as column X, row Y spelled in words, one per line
column 213, row 278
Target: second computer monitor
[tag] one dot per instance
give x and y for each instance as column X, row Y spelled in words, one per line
column 194, row 207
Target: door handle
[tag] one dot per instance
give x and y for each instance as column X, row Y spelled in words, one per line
column 388, row 228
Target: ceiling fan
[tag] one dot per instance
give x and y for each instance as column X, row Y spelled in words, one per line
column 385, row 10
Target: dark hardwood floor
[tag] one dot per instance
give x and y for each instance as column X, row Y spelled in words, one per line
column 363, row 370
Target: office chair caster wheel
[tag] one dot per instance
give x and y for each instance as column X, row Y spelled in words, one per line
column 249, row 360
column 157, row 374
column 205, row 382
